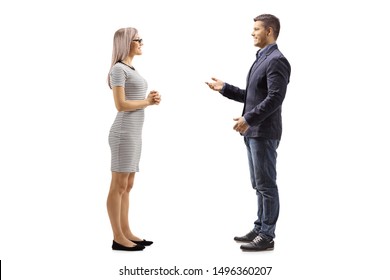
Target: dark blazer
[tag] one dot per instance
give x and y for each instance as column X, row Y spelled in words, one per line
column 264, row 94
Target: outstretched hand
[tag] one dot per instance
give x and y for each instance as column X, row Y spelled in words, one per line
column 216, row 84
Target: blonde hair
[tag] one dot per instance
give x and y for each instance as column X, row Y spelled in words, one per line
column 121, row 46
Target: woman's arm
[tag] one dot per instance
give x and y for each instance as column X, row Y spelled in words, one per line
column 122, row 104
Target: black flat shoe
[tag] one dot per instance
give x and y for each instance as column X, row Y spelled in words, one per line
column 119, row 247
column 143, row 242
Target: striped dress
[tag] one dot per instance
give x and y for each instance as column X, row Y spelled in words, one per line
column 125, row 136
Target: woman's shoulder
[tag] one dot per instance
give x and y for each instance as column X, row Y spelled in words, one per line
column 119, row 69
column 118, row 66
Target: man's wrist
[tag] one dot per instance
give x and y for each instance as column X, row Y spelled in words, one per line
column 223, row 88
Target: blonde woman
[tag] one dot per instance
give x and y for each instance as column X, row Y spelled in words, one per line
column 125, row 138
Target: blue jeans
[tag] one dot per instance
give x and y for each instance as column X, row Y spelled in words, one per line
column 262, row 165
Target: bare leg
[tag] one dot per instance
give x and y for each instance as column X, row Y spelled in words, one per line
column 125, row 204
column 118, row 189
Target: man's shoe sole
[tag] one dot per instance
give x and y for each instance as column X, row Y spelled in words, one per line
column 243, row 241
column 256, row 249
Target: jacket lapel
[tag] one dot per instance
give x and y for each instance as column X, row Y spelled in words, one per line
column 257, row 65
column 260, row 60
column 253, row 68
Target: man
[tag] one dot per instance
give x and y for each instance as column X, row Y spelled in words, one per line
column 261, row 126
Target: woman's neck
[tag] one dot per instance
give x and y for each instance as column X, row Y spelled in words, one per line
column 128, row 60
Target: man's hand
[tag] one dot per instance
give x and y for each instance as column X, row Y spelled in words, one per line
column 240, row 126
column 216, row 85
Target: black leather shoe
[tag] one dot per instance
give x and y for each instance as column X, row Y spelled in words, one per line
column 247, row 237
column 143, row 242
column 119, row 247
column 258, row 244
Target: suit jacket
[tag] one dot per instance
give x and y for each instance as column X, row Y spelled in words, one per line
column 264, row 94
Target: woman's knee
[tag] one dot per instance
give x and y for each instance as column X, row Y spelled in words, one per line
column 129, row 186
column 130, row 182
column 118, row 188
column 119, row 183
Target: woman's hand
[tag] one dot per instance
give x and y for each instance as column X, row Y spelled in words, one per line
column 153, row 98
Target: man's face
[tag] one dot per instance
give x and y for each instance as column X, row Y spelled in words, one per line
column 259, row 35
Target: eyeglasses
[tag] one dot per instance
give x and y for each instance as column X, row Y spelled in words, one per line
column 138, row 40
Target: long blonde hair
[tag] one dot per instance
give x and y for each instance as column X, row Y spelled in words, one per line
column 121, row 46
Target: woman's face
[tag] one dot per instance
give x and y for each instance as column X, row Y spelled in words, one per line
column 136, row 46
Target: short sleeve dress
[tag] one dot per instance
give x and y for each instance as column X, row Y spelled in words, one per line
column 125, row 137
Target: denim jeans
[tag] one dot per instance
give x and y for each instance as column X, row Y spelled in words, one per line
column 262, row 165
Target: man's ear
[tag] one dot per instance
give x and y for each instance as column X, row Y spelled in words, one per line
column 270, row 31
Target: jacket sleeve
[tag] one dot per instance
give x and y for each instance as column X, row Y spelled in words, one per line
column 233, row 93
column 278, row 76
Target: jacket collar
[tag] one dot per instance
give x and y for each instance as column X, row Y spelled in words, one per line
column 266, row 50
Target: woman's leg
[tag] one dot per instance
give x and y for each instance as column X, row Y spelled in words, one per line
column 125, row 205
column 118, row 189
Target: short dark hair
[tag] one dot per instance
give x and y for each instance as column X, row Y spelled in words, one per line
column 270, row 21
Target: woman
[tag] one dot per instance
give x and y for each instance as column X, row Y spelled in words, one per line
column 129, row 90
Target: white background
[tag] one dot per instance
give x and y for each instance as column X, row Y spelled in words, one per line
column 193, row 192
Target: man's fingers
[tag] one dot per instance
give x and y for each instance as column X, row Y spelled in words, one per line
column 210, row 85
